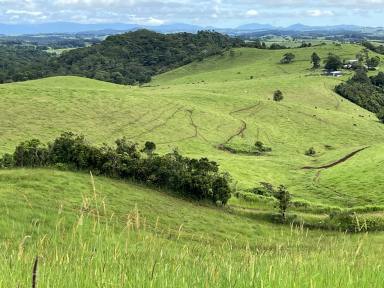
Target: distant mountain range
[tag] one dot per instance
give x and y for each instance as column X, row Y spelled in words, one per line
column 112, row 28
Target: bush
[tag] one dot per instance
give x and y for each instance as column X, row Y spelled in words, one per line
column 278, row 96
column 310, row 152
column 7, row 161
column 31, row 153
column 287, row 58
column 260, row 148
column 266, row 189
column 196, row 178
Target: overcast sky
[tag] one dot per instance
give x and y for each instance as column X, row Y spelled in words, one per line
column 219, row 13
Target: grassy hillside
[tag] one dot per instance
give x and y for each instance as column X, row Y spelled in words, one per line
column 200, row 106
column 103, row 233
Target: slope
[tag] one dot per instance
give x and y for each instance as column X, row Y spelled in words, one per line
column 199, row 106
column 102, row 233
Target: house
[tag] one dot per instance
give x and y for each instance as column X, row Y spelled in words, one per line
column 336, row 73
column 352, row 62
column 349, row 64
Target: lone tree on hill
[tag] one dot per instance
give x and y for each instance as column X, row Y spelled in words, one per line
column 315, row 60
column 278, row 96
column 333, row 62
column 284, row 197
column 287, row 58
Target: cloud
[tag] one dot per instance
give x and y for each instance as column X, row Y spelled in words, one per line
column 252, row 13
column 319, row 13
column 203, row 12
column 24, row 12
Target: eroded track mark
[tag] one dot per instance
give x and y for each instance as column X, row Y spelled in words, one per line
column 345, row 158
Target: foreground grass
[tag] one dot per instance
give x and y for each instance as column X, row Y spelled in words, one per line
column 104, row 233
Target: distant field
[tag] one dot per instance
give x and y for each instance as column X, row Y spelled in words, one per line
column 293, row 42
column 118, row 234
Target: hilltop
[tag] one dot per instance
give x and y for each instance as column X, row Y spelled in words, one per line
column 128, row 58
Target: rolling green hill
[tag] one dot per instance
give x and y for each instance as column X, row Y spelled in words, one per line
column 116, row 234
column 98, row 232
column 200, row 106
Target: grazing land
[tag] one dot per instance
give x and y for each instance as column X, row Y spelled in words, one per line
column 98, row 232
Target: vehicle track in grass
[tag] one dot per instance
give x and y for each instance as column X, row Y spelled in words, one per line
column 164, row 123
column 196, row 133
column 240, row 131
column 341, row 160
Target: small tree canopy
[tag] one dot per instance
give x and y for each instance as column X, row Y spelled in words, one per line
column 287, row 58
column 278, row 96
column 373, row 62
column 333, row 62
column 315, row 60
column 284, row 199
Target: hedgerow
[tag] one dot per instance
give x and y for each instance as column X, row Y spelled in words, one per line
column 195, row 178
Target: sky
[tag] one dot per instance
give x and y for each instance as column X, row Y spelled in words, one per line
column 218, row 13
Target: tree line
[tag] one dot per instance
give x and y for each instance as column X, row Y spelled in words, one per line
column 367, row 92
column 378, row 49
column 195, row 178
column 20, row 63
column 129, row 58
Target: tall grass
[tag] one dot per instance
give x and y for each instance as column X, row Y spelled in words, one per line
column 98, row 248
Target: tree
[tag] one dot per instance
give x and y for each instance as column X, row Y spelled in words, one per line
column 284, row 198
column 361, row 76
column 287, row 58
column 333, row 62
column 373, row 62
column 315, row 60
column 378, row 80
column 149, row 148
column 278, row 96
column 310, row 152
column 380, row 115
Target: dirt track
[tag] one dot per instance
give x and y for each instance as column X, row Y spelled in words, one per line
column 345, row 158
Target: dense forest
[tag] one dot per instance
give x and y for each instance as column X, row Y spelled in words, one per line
column 136, row 56
column 375, row 48
column 367, row 92
column 128, row 58
column 20, row 63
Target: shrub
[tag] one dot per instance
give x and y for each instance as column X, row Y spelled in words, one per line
column 266, row 189
column 278, row 96
column 196, row 178
column 284, row 201
column 260, row 148
column 287, row 58
column 7, row 161
column 31, row 153
column 310, row 152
